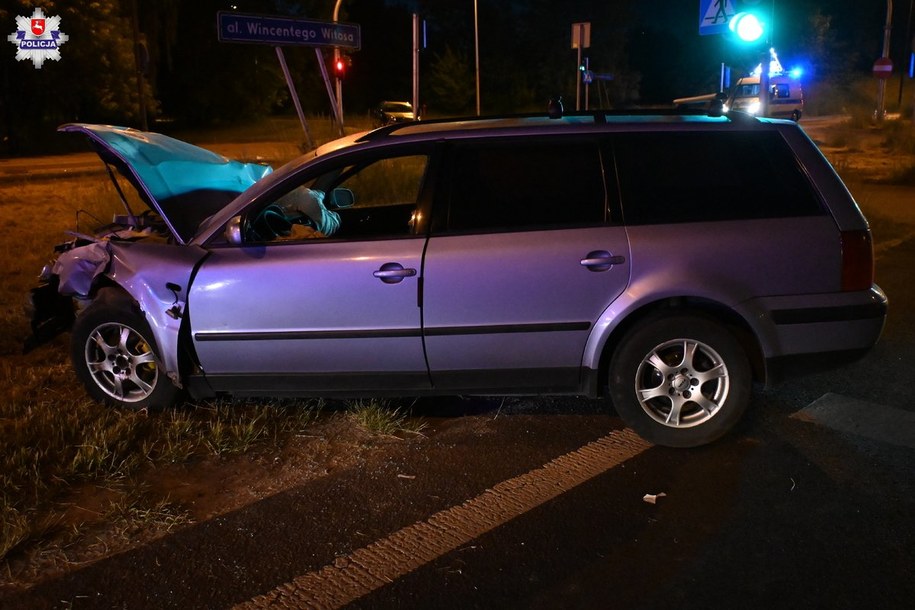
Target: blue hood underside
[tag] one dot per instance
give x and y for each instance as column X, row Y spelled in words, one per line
column 183, row 183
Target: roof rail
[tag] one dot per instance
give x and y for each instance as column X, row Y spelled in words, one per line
column 739, row 116
column 387, row 130
column 599, row 116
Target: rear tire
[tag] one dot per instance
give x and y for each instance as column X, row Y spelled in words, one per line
column 680, row 381
column 114, row 355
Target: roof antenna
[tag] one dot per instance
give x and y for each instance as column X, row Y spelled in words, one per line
column 554, row 109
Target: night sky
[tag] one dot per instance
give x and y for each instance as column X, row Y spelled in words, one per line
column 662, row 40
column 857, row 29
column 650, row 52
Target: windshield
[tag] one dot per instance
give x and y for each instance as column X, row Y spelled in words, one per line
column 397, row 107
column 747, row 91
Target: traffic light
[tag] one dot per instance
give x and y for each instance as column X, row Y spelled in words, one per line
column 340, row 65
column 747, row 26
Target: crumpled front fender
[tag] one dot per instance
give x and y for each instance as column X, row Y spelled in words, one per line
column 78, row 267
column 158, row 277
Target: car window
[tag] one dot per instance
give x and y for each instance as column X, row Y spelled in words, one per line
column 748, row 91
column 374, row 198
column 701, row 176
column 385, row 182
column 397, row 107
column 526, row 184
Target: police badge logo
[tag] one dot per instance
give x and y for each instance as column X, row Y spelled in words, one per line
column 38, row 38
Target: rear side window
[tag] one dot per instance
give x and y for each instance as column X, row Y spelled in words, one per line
column 525, row 184
column 702, row 176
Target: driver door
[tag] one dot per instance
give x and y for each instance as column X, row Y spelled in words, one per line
column 329, row 315
column 316, row 316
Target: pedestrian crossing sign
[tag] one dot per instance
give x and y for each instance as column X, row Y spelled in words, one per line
column 714, row 16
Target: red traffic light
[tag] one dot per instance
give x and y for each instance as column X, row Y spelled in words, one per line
column 340, row 67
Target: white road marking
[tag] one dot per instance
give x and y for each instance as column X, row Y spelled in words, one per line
column 867, row 419
column 408, row 549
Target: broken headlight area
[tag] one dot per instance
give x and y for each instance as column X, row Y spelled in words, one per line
column 66, row 283
column 51, row 313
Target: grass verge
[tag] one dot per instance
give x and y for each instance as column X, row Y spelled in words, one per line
column 379, row 417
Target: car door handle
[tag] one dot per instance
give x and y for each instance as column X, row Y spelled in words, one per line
column 392, row 273
column 601, row 260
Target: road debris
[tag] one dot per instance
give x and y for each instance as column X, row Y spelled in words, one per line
column 653, row 498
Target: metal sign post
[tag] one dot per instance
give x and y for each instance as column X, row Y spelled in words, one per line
column 581, row 39
column 283, row 31
column 880, row 112
column 334, row 104
column 295, row 97
column 338, row 107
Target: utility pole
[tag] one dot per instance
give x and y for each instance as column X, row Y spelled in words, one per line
column 880, row 113
column 476, row 47
column 141, row 61
column 339, row 82
column 908, row 37
column 416, row 47
column 581, row 39
column 581, row 43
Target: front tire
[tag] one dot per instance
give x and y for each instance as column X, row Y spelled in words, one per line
column 115, row 357
column 680, row 381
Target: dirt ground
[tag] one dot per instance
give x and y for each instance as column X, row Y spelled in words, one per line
column 858, row 154
column 201, row 489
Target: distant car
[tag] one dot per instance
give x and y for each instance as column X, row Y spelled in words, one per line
column 667, row 261
column 394, row 112
column 786, row 97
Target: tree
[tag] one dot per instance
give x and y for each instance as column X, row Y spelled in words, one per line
column 451, row 83
column 94, row 81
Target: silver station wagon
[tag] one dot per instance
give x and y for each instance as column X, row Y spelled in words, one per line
column 668, row 261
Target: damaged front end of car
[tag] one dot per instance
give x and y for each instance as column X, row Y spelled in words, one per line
column 51, row 311
column 142, row 256
column 67, row 284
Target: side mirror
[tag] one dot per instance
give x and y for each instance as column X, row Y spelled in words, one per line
column 233, row 231
column 340, row 198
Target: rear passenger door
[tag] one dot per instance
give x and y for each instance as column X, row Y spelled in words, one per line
column 523, row 258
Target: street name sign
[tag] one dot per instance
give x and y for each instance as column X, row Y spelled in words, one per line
column 281, row 31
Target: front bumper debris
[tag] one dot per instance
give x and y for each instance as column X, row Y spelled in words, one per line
column 51, row 313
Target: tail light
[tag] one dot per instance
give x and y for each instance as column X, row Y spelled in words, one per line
column 857, row 260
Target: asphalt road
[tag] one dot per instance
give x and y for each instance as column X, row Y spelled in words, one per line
column 787, row 513
column 542, row 504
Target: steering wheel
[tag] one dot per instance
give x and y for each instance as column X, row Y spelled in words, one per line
column 269, row 224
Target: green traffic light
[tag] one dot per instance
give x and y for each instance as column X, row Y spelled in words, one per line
column 747, row 26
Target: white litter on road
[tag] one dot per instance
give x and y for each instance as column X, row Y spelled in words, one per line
column 653, row 498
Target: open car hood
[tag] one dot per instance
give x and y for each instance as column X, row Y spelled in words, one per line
column 182, row 183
